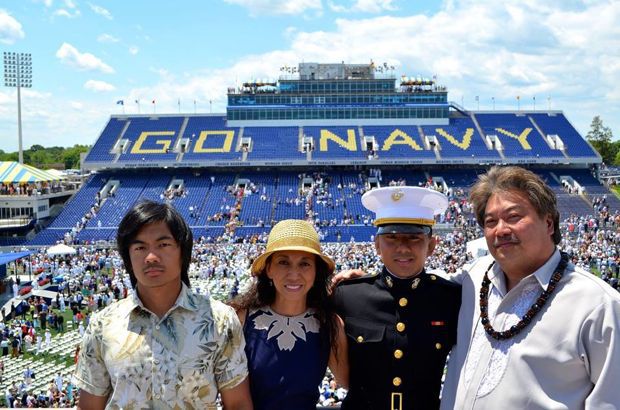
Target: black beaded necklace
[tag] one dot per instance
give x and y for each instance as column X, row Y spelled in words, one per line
column 529, row 315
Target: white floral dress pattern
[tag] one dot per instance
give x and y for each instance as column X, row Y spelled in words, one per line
column 287, row 358
column 178, row 362
column 286, row 329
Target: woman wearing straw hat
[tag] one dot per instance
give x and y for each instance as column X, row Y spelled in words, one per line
column 290, row 328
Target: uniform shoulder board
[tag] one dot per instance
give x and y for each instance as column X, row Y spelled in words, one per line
column 439, row 280
column 368, row 278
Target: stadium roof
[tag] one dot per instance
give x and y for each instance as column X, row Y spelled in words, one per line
column 14, row 172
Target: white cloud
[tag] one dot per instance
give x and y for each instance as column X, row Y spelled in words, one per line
column 364, row 6
column 10, row 29
column 162, row 72
column 76, row 105
column 484, row 48
column 98, row 86
column 107, row 38
column 563, row 50
column 101, row 11
column 46, row 3
column 82, row 61
column 133, row 50
column 66, row 13
column 262, row 7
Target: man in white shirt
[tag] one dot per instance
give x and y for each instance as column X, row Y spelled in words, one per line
column 59, row 381
column 534, row 331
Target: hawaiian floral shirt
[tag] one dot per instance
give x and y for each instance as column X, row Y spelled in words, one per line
column 179, row 361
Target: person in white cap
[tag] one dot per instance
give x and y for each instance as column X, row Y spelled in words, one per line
column 401, row 322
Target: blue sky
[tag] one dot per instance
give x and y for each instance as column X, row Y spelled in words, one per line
column 89, row 54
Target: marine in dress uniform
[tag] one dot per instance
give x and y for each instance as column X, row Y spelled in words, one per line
column 400, row 323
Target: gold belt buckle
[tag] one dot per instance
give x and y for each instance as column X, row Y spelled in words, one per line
column 397, row 401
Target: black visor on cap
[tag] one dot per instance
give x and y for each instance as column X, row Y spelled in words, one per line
column 404, row 228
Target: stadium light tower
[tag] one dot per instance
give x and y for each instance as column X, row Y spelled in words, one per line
column 18, row 73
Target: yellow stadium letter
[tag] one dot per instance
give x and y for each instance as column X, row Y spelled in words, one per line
column 164, row 144
column 522, row 138
column 398, row 137
column 463, row 144
column 228, row 139
column 350, row 143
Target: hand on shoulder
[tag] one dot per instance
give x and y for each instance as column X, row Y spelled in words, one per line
column 345, row 275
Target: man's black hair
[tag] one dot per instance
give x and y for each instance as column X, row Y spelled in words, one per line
column 147, row 212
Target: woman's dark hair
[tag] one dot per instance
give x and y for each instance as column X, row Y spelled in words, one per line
column 148, row 212
column 263, row 293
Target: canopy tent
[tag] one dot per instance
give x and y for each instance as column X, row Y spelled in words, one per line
column 61, row 249
column 9, row 257
column 477, row 247
column 14, row 172
column 58, row 174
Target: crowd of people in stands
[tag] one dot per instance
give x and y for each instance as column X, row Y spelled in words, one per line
column 173, row 192
column 30, row 189
column 94, row 278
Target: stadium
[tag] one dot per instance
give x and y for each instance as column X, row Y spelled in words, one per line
column 256, row 164
column 306, row 146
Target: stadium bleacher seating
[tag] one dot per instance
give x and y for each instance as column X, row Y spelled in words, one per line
column 517, row 134
column 398, row 142
column 210, row 139
column 104, row 144
column 280, row 143
column 335, row 143
column 210, row 193
column 158, row 134
column 557, row 124
column 461, row 139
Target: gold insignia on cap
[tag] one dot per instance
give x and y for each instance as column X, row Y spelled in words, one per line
column 396, row 196
column 415, row 283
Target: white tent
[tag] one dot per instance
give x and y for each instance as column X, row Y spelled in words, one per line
column 477, row 247
column 61, row 249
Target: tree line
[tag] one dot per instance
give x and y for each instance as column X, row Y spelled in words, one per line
column 52, row 157
column 601, row 138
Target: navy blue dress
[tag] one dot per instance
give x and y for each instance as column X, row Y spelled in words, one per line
column 287, row 359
